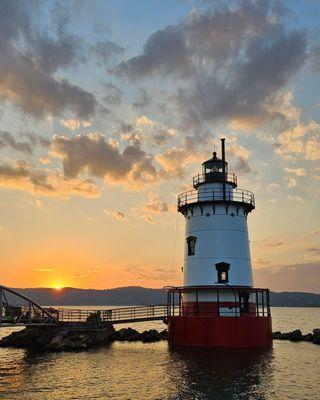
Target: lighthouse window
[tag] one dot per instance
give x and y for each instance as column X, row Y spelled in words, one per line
column 191, row 242
column 223, row 272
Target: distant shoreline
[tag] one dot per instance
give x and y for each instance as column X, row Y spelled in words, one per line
column 136, row 295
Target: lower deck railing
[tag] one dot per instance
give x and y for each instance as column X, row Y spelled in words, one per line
column 225, row 301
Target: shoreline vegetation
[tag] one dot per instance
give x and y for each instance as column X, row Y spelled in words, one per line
column 136, row 295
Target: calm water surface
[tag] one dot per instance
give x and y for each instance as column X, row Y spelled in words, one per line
column 153, row 371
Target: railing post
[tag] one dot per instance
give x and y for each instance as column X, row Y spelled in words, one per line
column 257, row 303
column 268, row 302
column 197, row 303
column 29, row 312
column 173, row 305
column 218, row 301
column 1, row 304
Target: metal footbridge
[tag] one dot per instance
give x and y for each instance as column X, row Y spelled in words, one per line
column 28, row 313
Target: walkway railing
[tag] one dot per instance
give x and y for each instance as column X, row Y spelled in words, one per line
column 215, row 195
column 212, row 177
column 116, row 315
column 220, row 301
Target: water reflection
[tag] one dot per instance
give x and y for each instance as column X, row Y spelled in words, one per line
column 220, row 373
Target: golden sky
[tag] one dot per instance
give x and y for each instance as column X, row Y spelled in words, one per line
column 108, row 112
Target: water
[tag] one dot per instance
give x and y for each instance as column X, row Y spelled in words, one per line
column 153, row 371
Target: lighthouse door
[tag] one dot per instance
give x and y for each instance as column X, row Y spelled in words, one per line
column 244, row 302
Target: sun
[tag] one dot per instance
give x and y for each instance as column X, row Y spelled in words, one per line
column 57, row 287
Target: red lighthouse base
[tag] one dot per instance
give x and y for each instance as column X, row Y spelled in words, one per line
column 220, row 332
column 230, row 317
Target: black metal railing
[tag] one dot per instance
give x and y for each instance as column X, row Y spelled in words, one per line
column 214, row 177
column 115, row 315
column 215, row 195
column 225, row 301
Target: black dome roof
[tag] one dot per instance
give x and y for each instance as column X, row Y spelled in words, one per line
column 214, row 159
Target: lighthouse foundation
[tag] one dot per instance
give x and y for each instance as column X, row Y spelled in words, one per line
column 220, row 324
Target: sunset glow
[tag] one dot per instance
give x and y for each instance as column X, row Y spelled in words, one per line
column 100, row 132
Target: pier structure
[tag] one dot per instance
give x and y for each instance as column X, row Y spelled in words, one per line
column 218, row 305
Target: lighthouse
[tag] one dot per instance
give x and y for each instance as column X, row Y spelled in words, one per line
column 218, row 306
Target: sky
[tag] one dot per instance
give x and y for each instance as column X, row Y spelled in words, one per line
column 107, row 110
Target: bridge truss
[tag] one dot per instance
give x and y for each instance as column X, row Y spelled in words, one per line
column 18, row 309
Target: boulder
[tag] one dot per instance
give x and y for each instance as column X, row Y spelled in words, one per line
column 60, row 338
column 276, row 335
column 316, row 336
column 127, row 334
column 164, row 334
column 295, row 336
column 151, row 335
column 307, row 338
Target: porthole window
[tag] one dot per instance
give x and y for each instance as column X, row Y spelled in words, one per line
column 232, row 214
column 208, row 215
column 191, row 243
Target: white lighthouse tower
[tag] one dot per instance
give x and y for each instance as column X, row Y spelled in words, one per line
column 217, row 243
column 218, row 305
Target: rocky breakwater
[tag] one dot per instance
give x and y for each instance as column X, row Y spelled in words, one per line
column 297, row 336
column 64, row 338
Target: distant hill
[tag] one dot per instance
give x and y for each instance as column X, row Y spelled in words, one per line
column 135, row 295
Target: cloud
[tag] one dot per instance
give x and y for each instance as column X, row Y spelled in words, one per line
column 291, row 182
column 154, row 205
column 7, row 139
column 295, row 198
column 93, row 154
column 118, row 215
column 300, row 141
column 164, row 52
column 231, row 64
column 272, row 187
column 106, row 51
column 23, row 176
column 296, row 171
column 113, row 94
column 27, row 77
column 43, row 269
column 314, row 250
column 74, row 124
column 304, row 277
column 273, row 243
column 149, row 219
column 153, row 273
column 143, row 99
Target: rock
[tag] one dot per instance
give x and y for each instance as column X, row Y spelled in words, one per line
column 127, row 334
column 307, row 338
column 164, row 334
column 131, row 335
column 276, row 335
column 150, row 336
column 295, row 336
column 316, row 336
column 60, row 338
